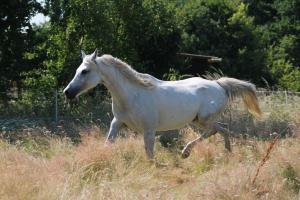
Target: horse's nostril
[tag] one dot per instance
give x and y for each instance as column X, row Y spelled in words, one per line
column 67, row 92
column 70, row 93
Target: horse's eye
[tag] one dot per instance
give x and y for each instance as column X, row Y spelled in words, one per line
column 83, row 72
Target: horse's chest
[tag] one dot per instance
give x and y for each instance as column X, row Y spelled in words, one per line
column 132, row 121
column 136, row 116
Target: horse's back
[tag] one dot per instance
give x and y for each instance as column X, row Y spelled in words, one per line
column 195, row 86
column 180, row 102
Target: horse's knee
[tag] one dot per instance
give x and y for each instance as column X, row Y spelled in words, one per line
column 114, row 128
column 149, row 139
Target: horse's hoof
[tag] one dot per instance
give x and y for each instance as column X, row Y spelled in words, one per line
column 185, row 154
column 108, row 144
column 228, row 148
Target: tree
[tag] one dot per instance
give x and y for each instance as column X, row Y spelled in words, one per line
column 264, row 12
column 281, row 65
column 279, row 21
column 17, row 38
column 150, row 27
column 223, row 28
column 142, row 32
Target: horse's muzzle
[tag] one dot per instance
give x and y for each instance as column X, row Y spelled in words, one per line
column 70, row 94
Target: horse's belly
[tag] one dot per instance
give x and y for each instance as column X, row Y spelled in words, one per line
column 176, row 117
column 174, row 125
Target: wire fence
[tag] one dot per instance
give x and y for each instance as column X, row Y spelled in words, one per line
column 279, row 115
column 33, row 108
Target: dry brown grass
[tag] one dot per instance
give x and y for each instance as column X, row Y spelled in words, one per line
column 54, row 168
column 38, row 166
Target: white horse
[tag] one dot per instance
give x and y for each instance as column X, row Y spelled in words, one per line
column 146, row 104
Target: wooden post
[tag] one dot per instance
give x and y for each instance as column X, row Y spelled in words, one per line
column 286, row 97
column 56, row 107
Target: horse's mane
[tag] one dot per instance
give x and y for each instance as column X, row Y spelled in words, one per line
column 145, row 80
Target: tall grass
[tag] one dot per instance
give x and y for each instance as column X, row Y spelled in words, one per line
column 38, row 165
column 58, row 169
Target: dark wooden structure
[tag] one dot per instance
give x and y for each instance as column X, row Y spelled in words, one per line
column 197, row 64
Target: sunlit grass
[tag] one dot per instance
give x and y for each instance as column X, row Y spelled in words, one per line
column 43, row 166
column 54, row 168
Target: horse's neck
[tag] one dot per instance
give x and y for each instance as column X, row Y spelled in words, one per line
column 119, row 87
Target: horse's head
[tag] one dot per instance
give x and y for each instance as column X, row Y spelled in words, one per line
column 87, row 76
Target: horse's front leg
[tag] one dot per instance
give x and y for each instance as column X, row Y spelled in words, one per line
column 149, row 139
column 115, row 126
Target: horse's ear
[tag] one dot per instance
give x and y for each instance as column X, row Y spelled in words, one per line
column 82, row 54
column 94, row 55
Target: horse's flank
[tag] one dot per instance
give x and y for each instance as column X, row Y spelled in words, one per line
column 145, row 80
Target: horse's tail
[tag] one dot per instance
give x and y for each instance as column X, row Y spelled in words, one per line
column 237, row 88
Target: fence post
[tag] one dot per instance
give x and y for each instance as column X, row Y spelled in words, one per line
column 286, row 97
column 56, row 107
column 91, row 118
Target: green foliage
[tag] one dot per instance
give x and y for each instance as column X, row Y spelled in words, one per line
column 280, row 24
column 172, row 75
column 224, row 29
column 17, row 37
column 255, row 38
column 264, row 11
column 140, row 32
column 281, row 65
column 40, row 80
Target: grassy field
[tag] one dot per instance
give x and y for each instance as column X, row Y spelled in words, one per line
column 43, row 166
column 54, row 168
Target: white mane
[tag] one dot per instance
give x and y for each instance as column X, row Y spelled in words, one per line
column 145, row 80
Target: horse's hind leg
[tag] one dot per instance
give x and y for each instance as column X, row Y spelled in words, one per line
column 188, row 148
column 215, row 128
column 225, row 133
